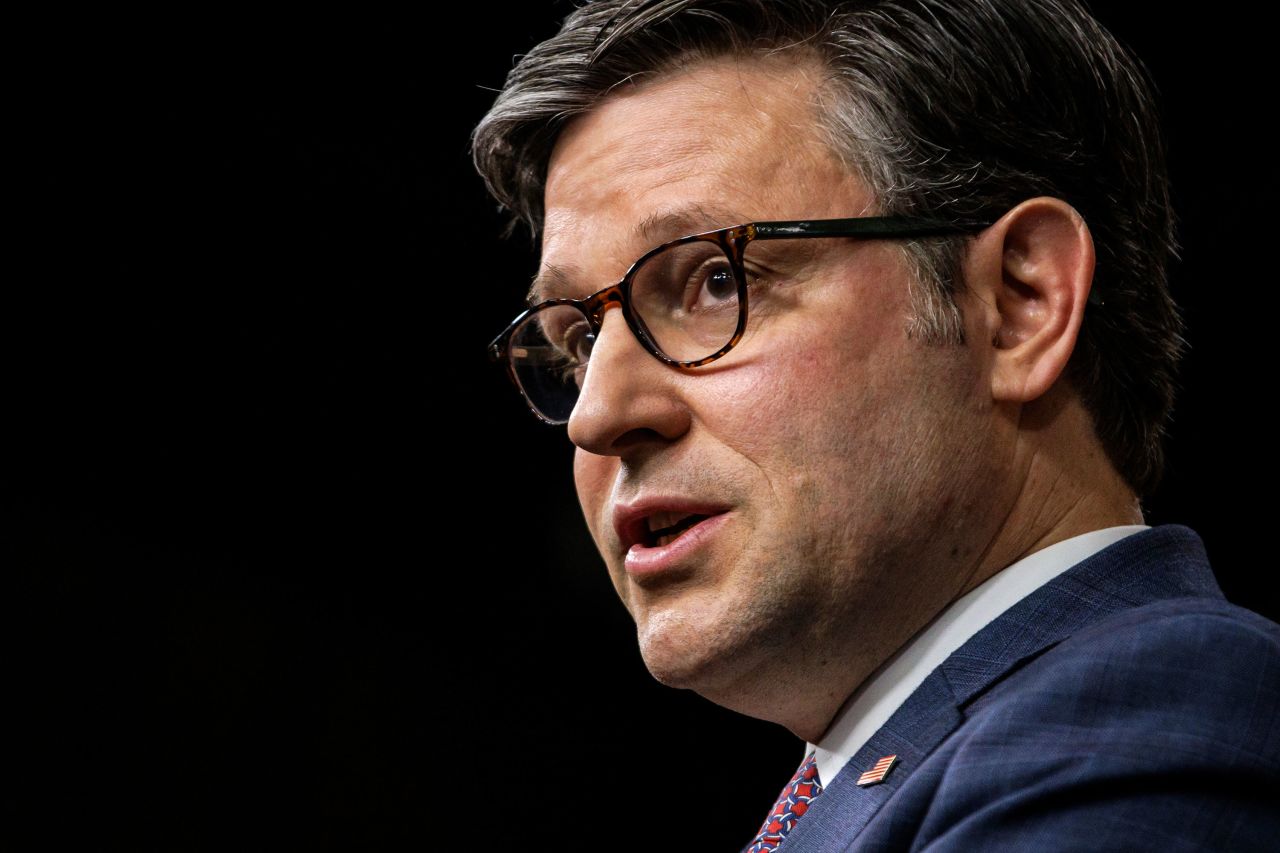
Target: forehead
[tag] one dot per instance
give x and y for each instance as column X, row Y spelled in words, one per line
column 716, row 144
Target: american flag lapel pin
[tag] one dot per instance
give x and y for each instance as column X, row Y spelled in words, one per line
column 878, row 771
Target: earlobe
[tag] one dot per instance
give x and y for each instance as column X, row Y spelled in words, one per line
column 1037, row 280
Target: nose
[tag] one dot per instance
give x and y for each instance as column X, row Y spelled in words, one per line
column 628, row 397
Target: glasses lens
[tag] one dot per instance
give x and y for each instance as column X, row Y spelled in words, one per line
column 549, row 352
column 686, row 299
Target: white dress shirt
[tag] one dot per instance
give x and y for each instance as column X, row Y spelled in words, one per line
column 874, row 702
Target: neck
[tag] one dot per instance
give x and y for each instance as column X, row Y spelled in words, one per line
column 1066, row 487
column 1061, row 485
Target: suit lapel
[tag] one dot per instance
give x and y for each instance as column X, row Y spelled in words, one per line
column 1163, row 562
column 844, row 807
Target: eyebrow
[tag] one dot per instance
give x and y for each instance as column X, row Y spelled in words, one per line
column 556, row 282
column 551, row 282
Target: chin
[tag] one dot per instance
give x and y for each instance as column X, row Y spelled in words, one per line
column 682, row 672
column 718, row 674
column 685, row 656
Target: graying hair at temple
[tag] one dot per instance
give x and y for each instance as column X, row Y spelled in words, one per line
column 946, row 108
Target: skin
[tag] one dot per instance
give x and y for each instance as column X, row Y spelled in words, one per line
column 869, row 479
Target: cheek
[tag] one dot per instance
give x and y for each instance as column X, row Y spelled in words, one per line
column 593, row 477
column 798, row 400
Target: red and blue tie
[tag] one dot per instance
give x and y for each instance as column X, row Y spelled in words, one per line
column 792, row 803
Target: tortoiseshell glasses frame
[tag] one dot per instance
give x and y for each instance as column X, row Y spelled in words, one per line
column 552, row 401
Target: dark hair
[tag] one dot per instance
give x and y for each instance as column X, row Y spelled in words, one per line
column 946, row 108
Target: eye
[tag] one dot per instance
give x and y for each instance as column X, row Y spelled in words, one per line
column 557, row 345
column 683, row 280
column 573, row 344
column 577, row 342
column 711, row 286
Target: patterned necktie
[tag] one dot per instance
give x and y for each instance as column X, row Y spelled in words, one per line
column 792, row 804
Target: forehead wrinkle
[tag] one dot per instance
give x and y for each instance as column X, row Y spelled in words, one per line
column 678, row 157
column 612, row 149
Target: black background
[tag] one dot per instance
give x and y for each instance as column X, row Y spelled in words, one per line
column 293, row 564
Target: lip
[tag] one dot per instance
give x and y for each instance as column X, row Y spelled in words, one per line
column 630, row 522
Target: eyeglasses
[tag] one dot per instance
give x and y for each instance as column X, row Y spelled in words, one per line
column 685, row 301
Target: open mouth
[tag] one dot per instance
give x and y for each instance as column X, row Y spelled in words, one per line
column 666, row 527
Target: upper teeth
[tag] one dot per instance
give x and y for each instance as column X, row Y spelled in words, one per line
column 664, row 519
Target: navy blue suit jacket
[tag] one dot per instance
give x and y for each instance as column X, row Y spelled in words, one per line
column 1125, row 705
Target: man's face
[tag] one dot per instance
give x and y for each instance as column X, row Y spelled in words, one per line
column 838, row 466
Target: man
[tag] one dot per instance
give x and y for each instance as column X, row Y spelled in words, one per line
column 864, row 446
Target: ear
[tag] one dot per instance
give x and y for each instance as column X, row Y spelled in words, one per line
column 1033, row 270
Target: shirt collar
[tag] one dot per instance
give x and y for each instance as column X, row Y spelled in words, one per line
column 871, row 705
